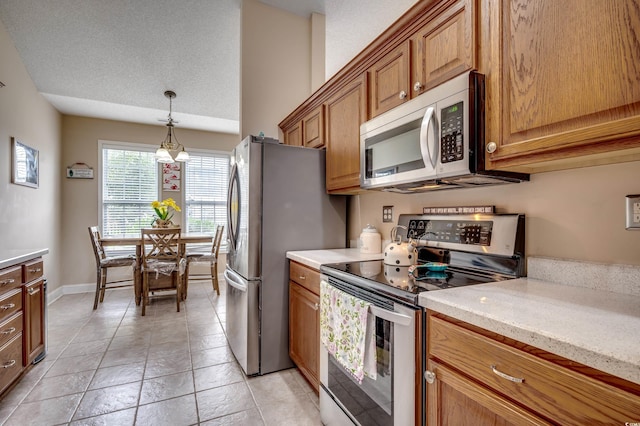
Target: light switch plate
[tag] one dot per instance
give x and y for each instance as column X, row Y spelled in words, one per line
column 633, row 212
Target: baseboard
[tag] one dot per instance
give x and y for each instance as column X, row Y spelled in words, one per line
column 56, row 294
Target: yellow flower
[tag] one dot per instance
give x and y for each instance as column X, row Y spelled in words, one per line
column 162, row 208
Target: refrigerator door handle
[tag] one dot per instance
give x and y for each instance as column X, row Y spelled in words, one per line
column 233, row 211
column 235, row 280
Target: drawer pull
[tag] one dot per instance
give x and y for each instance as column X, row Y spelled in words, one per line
column 33, row 291
column 506, row 376
column 302, row 277
column 35, row 270
column 8, row 330
column 9, row 281
column 316, row 307
column 9, row 364
column 430, row 377
column 8, row 306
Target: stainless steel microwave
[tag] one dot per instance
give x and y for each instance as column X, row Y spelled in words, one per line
column 432, row 142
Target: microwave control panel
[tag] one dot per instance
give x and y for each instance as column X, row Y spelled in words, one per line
column 451, row 136
column 451, row 231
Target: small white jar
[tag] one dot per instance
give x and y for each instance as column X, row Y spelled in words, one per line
column 370, row 240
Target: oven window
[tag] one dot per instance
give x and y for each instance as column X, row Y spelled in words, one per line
column 372, row 401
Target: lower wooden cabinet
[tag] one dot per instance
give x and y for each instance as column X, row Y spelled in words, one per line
column 487, row 377
column 304, row 321
column 34, row 320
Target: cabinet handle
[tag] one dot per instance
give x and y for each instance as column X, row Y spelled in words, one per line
column 9, row 281
column 8, row 330
column 316, row 307
column 9, row 364
column 35, row 270
column 417, row 87
column 492, row 147
column 9, row 306
column 302, row 277
column 430, row 377
column 402, row 95
column 506, row 376
column 33, row 291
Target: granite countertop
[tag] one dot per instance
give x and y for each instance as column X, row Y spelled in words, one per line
column 315, row 258
column 10, row 257
column 595, row 327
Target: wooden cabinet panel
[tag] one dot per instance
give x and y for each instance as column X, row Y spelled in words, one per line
column 10, row 362
column 313, row 129
column 549, row 390
column 293, row 135
column 34, row 320
column 10, row 278
column 32, row 270
column 345, row 111
column 304, row 332
column 10, row 328
column 562, row 88
column 10, row 303
column 305, row 276
column 445, row 47
column 389, row 80
column 453, row 400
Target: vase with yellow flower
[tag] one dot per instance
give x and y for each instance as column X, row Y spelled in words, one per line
column 164, row 212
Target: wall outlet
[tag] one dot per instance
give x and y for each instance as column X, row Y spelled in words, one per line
column 633, row 212
column 387, row 213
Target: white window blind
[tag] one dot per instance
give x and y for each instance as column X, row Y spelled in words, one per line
column 129, row 185
column 206, row 182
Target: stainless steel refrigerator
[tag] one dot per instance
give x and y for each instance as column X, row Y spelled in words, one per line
column 276, row 203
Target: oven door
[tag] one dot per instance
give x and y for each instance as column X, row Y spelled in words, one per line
column 391, row 398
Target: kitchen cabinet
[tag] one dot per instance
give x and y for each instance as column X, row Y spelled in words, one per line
column 562, row 83
column 304, row 321
column 444, row 47
column 345, row 111
column 22, row 326
column 308, row 132
column 483, row 374
column 389, row 81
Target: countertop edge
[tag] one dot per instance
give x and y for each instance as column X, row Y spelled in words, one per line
column 23, row 256
column 315, row 258
column 628, row 369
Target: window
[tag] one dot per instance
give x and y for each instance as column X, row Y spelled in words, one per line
column 206, row 181
column 129, row 185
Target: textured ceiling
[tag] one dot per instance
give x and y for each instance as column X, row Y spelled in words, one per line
column 114, row 59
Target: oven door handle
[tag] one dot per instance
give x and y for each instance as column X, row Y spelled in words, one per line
column 390, row 316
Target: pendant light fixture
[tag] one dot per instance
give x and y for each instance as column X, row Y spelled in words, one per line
column 170, row 143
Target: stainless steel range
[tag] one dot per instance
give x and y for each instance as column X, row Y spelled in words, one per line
column 453, row 251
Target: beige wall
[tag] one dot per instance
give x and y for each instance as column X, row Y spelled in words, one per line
column 572, row 214
column 30, row 216
column 80, row 196
column 275, row 66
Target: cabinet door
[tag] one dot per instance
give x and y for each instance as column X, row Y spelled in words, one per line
column 562, row 88
column 304, row 332
column 293, row 135
column 313, row 128
column 454, row 400
column 345, row 111
column 34, row 330
column 389, row 81
column 444, row 47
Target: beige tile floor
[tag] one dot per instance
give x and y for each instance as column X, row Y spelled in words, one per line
column 114, row 367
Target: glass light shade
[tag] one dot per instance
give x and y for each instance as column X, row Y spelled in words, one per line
column 163, row 156
column 182, row 156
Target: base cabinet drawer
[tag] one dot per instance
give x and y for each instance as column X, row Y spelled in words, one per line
column 550, row 391
column 10, row 361
column 11, row 328
column 10, row 278
column 10, row 303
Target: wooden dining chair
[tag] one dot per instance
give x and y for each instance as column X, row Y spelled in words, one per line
column 163, row 263
column 209, row 257
column 104, row 262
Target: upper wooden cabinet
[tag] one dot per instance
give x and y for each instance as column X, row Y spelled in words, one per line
column 444, row 47
column 562, row 82
column 293, row 134
column 389, row 81
column 307, row 132
column 345, row 111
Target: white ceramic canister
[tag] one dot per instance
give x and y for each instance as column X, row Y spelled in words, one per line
column 370, row 240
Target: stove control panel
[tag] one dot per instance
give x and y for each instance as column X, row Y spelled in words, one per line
column 451, row 231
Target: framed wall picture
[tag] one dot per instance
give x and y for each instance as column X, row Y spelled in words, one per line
column 25, row 164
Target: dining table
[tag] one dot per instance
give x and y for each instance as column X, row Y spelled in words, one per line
column 185, row 238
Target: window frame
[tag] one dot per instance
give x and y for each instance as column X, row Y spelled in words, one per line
column 102, row 144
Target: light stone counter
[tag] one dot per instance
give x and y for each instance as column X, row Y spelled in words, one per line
column 595, row 327
column 315, row 258
column 10, row 257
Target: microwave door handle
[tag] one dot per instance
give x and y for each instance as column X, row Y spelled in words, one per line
column 428, row 142
column 390, row 316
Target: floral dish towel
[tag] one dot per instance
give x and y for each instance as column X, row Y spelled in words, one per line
column 347, row 330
